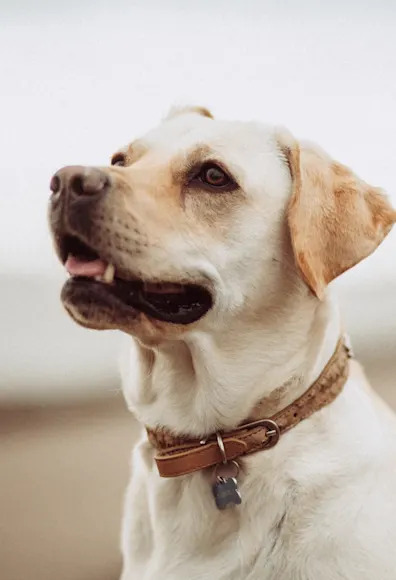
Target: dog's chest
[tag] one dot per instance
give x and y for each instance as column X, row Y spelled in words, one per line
column 319, row 505
column 174, row 529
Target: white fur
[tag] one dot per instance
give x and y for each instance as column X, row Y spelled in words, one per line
column 321, row 505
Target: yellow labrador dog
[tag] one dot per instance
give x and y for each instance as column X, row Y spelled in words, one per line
column 265, row 456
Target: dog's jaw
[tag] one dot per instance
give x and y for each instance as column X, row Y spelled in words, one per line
column 204, row 382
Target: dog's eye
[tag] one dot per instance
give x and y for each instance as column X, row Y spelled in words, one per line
column 212, row 175
column 118, row 159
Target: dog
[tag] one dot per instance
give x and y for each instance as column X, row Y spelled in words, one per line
column 266, row 455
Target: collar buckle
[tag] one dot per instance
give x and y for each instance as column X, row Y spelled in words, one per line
column 272, row 431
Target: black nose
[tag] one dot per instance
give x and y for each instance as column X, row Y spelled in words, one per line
column 80, row 181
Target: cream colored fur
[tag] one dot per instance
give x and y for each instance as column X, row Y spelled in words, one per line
column 321, row 505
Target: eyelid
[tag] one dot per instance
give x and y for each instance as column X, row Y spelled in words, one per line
column 196, row 168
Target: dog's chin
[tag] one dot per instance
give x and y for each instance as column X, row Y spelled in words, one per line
column 92, row 307
column 148, row 317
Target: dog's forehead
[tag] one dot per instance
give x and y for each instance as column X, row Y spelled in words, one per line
column 185, row 132
column 250, row 150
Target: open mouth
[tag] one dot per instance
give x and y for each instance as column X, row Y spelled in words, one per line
column 169, row 302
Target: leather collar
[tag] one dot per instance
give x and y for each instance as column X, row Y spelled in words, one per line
column 178, row 455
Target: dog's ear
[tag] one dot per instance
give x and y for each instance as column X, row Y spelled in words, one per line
column 176, row 111
column 335, row 219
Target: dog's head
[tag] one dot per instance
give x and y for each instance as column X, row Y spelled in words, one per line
column 204, row 219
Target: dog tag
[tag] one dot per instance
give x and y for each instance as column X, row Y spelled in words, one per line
column 226, row 493
column 225, row 488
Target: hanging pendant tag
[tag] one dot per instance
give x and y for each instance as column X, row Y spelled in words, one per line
column 225, row 486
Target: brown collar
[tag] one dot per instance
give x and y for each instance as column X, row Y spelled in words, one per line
column 182, row 455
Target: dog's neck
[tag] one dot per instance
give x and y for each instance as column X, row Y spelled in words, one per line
column 205, row 383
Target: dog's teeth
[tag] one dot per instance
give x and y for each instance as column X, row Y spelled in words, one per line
column 108, row 276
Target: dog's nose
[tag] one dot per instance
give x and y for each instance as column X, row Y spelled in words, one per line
column 79, row 181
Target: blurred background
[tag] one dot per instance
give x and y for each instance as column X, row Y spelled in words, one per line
column 79, row 79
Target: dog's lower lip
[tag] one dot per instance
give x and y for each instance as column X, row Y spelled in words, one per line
column 167, row 302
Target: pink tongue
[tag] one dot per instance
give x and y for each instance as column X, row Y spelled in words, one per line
column 77, row 267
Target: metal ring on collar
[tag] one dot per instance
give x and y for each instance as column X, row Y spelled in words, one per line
column 220, row 443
